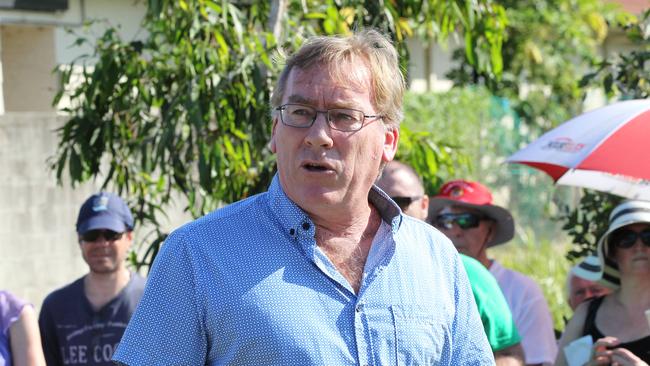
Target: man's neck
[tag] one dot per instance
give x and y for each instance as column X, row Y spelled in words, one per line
column 101, row 288
column 348, row 245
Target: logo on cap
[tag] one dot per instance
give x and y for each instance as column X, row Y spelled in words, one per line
column 456, row 191
column 100, row 204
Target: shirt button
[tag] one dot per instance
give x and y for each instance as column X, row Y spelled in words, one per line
column 305, row 226
column 359, row 308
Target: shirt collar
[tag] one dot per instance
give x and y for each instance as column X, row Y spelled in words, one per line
column 388, row 210
column 292, row 217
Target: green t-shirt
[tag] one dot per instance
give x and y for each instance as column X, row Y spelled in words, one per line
column 492, row 306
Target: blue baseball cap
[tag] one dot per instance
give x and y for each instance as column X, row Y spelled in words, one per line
column 104, row 211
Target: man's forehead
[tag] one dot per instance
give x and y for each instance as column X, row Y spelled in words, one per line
column 399, row 181
column 352, row 76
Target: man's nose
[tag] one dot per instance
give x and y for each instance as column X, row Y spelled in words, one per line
column 319, row 133
column 101, row 241
column 454, row 229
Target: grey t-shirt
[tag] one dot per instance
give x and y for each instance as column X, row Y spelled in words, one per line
column 74, row 334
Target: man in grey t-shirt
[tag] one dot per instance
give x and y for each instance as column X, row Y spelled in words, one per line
column 82, row 323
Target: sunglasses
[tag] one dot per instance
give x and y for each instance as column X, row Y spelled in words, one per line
column 626, row 238
column 463, row 220
column 93, row 235
column 405, row 202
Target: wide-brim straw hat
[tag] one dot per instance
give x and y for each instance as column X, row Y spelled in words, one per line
column 627, row 213
column 474, row 195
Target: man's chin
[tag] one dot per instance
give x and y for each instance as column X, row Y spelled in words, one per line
column 103, row 269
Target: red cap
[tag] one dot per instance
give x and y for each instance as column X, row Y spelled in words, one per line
column 465, row 191
column 476, row 196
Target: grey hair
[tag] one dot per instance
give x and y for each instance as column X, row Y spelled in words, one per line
column 367, row 46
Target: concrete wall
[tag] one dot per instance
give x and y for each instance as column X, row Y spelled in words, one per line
column 38, row 245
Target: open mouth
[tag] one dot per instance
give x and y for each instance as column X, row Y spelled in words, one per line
column 316, row 168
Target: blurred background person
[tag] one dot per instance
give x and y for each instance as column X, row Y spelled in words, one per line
column 83, row 322
column 463, row 211
column 617, row 322
column 582, row 282
column 404, row 186
column 20, row 340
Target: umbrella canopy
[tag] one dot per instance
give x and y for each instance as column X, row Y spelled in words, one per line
column 607, row 149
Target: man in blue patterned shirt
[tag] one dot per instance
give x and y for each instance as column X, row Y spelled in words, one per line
column 323, row 269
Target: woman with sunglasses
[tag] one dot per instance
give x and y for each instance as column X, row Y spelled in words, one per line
column 617, row 322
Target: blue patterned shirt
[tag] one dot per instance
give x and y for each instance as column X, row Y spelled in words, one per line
column 247, row 285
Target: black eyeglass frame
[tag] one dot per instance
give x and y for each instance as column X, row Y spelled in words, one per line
column 405, row 201
column 626, row 238
column 453, row 218
column 283, row 107
column 92, row 236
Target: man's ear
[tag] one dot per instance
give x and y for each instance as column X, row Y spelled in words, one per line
column 272, row 143
column 391, row 136
column 129, row 237
column 424, row 203
column 492, row 230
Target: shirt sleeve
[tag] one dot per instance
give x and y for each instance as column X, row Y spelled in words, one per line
column 49, row 339
column 10, row 309
column 166, row 328
column 470, row 343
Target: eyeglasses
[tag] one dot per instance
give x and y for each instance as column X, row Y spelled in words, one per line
column 94, row 235
column 463, row 220
column 626, row 238
column 341, row 119
column 405, row 202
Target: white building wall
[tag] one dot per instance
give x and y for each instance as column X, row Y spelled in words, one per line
column 126, row 15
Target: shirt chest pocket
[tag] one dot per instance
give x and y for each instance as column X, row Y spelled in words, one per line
column 412, row 335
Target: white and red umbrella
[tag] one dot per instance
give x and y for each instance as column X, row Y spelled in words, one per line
column 607, row 149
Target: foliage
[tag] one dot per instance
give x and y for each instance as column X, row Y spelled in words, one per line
column 586, row 223
column 547, row 45
column 545, row 263
column 183, row 112
column 479, row 130
column 448, row 125
column 626, row 75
